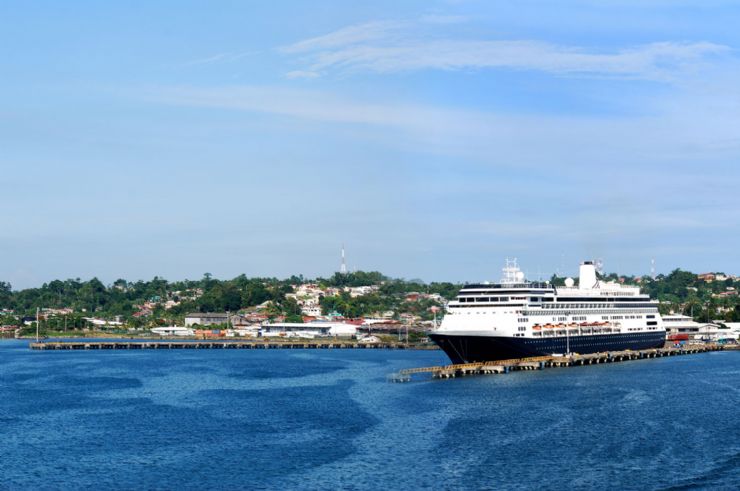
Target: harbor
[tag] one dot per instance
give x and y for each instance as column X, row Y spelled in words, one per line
column 543, row 362
column 109, row 407
column 413, row 245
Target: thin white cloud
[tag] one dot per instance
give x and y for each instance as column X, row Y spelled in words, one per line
column 220, row 58
column 308, row 105
column 301, row 74
column 386, row 47
column 678, row 132
column 443, row 19
column 350, row 35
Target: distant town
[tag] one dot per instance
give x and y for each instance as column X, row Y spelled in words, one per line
column 359, row 305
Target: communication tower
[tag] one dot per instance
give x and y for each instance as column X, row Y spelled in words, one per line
column 343, row 265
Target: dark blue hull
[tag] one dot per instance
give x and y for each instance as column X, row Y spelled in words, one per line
column 472, row 349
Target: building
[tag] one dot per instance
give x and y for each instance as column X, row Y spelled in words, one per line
column 143, row 313
column 716, row 333
column 311, row 309
column 206, row 319
column 733, row 329
column 359, row 291
column 62, row 311
column 103, row 322
column 173, row 331
column 310, row 330
column 684, row 328
column 244, row 332
column 680, row 327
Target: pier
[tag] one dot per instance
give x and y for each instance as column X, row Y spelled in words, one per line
column 169, row 345
column 543, row 362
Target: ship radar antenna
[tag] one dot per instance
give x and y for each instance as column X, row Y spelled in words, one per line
column 511, row 273
column 652, row 268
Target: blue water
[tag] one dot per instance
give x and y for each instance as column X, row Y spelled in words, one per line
column 320, row 419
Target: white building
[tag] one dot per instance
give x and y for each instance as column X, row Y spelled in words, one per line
column 309, row 330
column 173, row 331
column 251, row 332
column 359, row 291
column 103, row 322
column 679, row 326
column 734, row 328
column 314, row 310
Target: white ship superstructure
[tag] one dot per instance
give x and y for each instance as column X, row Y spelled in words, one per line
column 517, row 318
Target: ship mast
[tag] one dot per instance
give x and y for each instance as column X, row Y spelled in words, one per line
column 512, row 275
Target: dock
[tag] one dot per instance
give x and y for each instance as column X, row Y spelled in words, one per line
column 543, row 362
column 184, row 345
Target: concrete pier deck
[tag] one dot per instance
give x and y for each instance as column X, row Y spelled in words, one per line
column 542, row 362
column 206, row 344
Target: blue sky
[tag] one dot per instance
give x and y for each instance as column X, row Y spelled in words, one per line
column 432, row 138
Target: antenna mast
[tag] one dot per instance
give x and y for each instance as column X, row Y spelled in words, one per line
column 511, row 273
column 343, row 266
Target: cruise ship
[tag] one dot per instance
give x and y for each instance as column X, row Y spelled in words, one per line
column 517, row 318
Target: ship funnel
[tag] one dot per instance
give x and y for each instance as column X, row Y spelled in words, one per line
column 587, row 276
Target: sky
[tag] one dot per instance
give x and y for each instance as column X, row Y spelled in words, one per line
column 433, row 138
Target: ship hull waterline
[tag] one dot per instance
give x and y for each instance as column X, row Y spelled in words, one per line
column 476, row 349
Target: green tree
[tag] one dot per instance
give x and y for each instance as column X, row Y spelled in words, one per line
column 6, row 295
